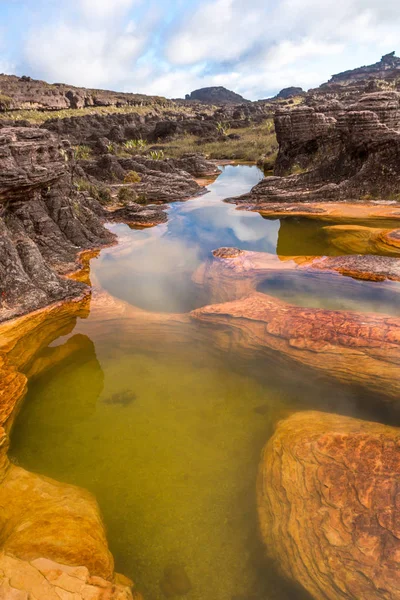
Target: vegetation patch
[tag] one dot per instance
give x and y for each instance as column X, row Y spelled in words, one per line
column 99, row 193
column 126, row 195
column 250, row 144
column 82, row 152
column 132, row 177
column 5, row 102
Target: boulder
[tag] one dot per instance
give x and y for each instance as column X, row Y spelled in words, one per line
column 327, row 497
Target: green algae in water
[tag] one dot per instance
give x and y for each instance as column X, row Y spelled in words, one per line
column 170, row 447
column 173, row 470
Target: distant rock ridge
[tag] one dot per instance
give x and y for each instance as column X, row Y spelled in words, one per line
column 388, row 64
column 216, row 95
column 25, row 93
column 289, row 92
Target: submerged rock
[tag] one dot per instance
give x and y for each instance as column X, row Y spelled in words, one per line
column 175, row 581
column 328, row 507
column 123, row 398
column 361, row 349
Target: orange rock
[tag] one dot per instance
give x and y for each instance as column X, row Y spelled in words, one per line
column 362, row 349
column 328, row 505
column 48, row 580
column 350, row 212
column 41, row 517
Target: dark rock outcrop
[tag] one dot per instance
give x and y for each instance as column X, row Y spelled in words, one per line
column 215, row 95
column 290, row 92
column 44, row 223
column 160, row 181
column 328, row 505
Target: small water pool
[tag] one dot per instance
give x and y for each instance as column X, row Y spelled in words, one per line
column 169, row 442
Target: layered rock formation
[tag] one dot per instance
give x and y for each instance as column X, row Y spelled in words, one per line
column 327, row 497
column 44, row 223
column 388, row 67
column 159, row 181
column 337, row 153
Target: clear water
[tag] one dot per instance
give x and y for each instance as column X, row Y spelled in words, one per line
column 169, row 441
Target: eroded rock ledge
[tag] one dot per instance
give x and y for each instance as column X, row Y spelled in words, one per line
column 232, row 273
column 328, row 505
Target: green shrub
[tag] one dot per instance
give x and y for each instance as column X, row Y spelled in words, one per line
column 126, row 195
column 132, row 177
column 112, row 148
column 222, row 128
column 82, row 152
column 135, row 144
column 156, row 154
column 103, row 195
column 141, row 198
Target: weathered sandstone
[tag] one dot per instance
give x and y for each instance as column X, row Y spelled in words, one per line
column 328, row 508
column 44, row 223
column 29, row 94
column 160, row 181
column 44, row 579
column 335, row 212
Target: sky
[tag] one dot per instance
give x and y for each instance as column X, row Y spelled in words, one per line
column 255, row 47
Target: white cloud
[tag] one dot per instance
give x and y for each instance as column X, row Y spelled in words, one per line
column 284, row 42
column 95, row 47
column 104, row 9
column 82, row 56
column 255, row 48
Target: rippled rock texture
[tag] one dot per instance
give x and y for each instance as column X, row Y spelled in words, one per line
column 328, row 505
